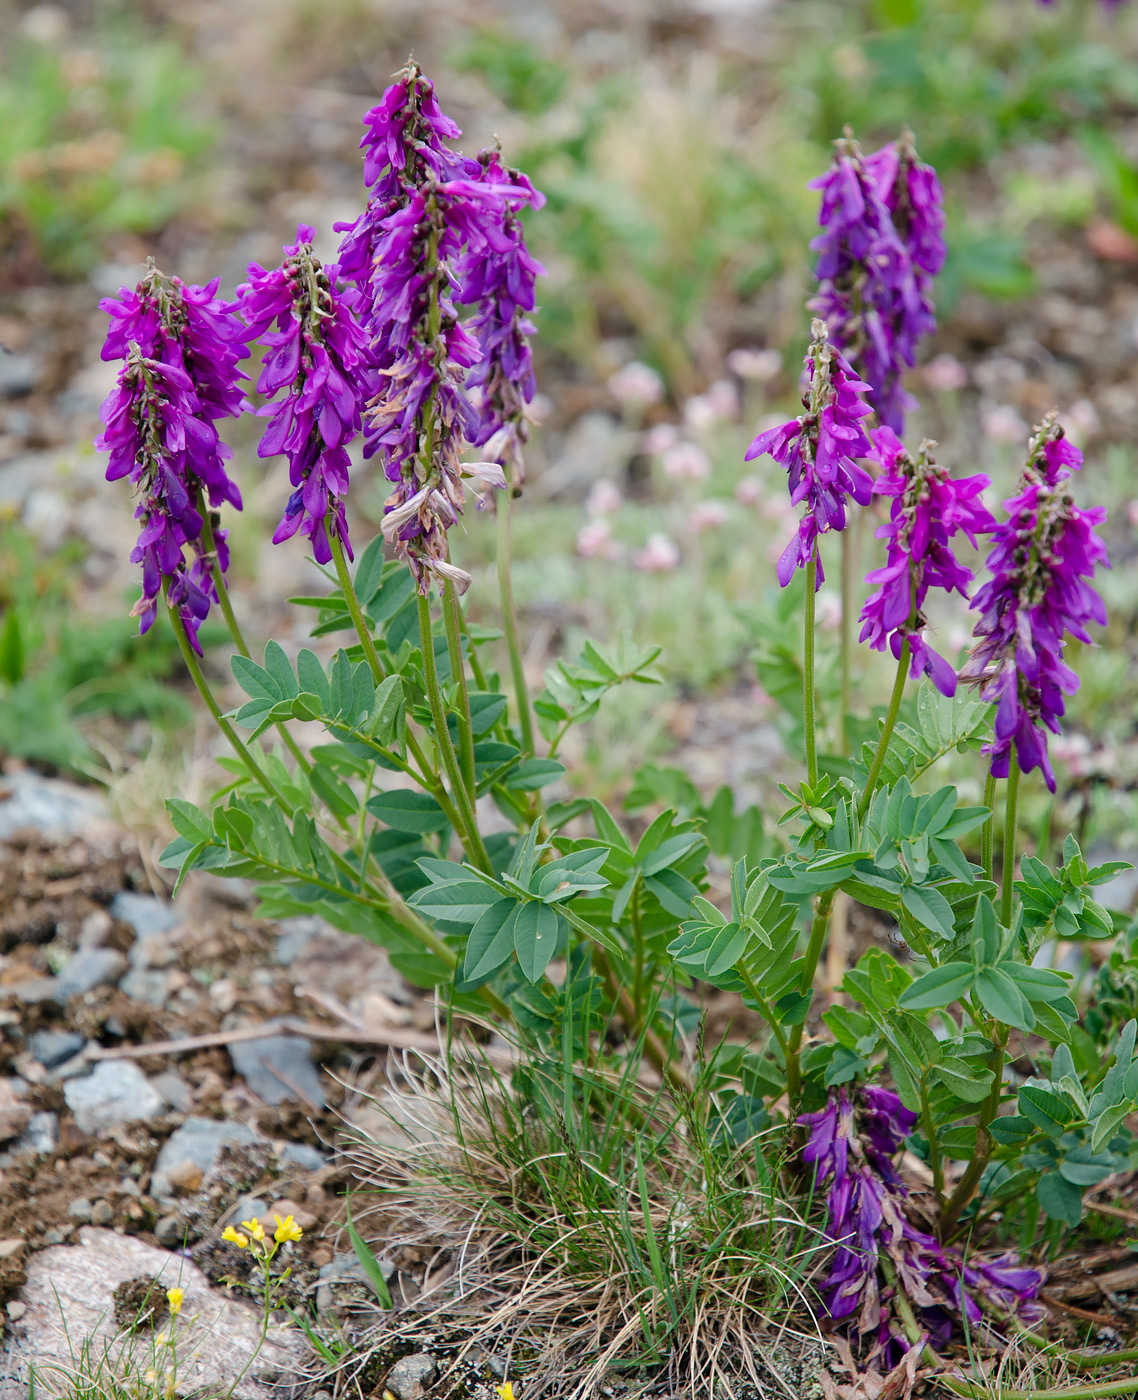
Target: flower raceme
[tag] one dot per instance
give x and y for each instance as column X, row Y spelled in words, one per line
column 819, row 451
column 180, row 346
column 1042, row 559
column 928, row 508
column 320, row 357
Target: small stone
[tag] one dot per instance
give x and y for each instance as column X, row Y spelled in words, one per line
column 48, row 805
column 53, row 1236
column 144, row 913
column 16, row 1310
column 410, row 1376
column 295, row 935
column 185, row 1177
column 174, row 1090
column 40, row 1136
column 51, row 1048
column 152, row 988
column 278, row 1068
column 102, row 1213
column 304, row 1218
column 95, row 929
column 299, row 1154
column 197, row 1140
column 344, row 1277
column 15, row 1115
column 94, row 967
column 115, row 1092
column 168, row 1231
column 223, row 995
column 80, row 1210
column 12, row 1249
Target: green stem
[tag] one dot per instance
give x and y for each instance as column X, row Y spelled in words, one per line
column 654, row 1047
column 458, row 672
column 240, row 748
column 638, row 945
column 846, row 635
column 1009, row 851
column 363, row 631
column 988, row 835
column 471, row 836
column 1090, row 1361
column 765, row 1008
column 1097, row 1390
column 808, row 673
column 934, row 1145
column 886, row 731
column 806, row 984
column 966, row 1186
column 510, row 622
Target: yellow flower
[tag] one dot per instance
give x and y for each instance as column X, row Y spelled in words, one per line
column 254, row 1228
column 160, row 1340
column 506, row 1392
column 151, row 1376
column 235, row 1237
column 287, row 1229
column 174, row 1297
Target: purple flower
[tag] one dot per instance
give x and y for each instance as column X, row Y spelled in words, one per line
column 818, row 451
column 880, row 247
column 437, row 227
column 181, row 346
column 929, row 508
column 320, row 357
column 851, row 1146
column 1041, row 559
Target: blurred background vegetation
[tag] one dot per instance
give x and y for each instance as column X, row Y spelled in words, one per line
column 674, row 141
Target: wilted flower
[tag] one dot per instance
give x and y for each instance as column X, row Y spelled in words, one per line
column 1042, row 556
column 929, row 508
column 819, row 450
column 320, row 357
column 686, row 462
column 636, row 384
column 181, row 346
column 659, row 555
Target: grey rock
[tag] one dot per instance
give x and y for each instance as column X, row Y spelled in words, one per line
column 249, row 1208
column 174, row 1090
column 19, row 374
column 51, row 1048
column 299, row 1154
column 295, row 935
column 169, row 1231
column 344, row 1279
column 48, row 805
column 115, row 1092
column 278, row 1068
column 53, row 1236
column 410, row 1376
column 94, row 967
column 71, row 1069
column 94, row 929
column 69, row 1299
column 80, row 1210
column 37, row 989
column 144, row 913
column 153, row 988
column 102, row 1213
column 198, row 1140
column 40, row 1136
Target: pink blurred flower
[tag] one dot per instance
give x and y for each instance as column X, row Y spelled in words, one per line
column 708, row 515
column 759, row 365
column 687, row 462
column 660, row 438
column 1132, row 513
column 828, row 610
column 749, row 491
column 700, row 413
column 595, row 541
column 945, row 373
column 1003, row 424
column 1073, row 750
column 604, row 498
column 1083, row 420
column 659, row 555
column 636, row 383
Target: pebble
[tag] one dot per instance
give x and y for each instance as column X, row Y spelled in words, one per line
column 345, row 1270
column 168, row 1231
column 174, row 1090
column 40, row 1136
column 153, row 988
column 290, row 1056
column 299, row 1154
column 198, row 1140
column 94, row 967
column 284, row 1207
column 51, row 1048
column 15, row 1115
column 54, row 1236
column 185, row 1177
column 48, row 805
column 94, row 929
column 16, row 1310
column 295, row 935
column 102, row 1213
column 145, row 913
column 115, row 1092
column 410, row 1376
column 80, row 1210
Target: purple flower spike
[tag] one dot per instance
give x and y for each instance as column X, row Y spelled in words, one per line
column 438, row 228
column 880, row 247
column 320, row 357
column 1041, row 559
column 181, row 346
column 819, row 450
column 929, row 508
column 851, row 1146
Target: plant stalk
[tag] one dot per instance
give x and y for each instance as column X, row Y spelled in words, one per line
column 363, row 631
column 846, row 636
column 887, row 730
column 1009, row 851
column 808, row 673
column 988, row 834
column 1097, row 1390
column 966, row 1186
column 458, row 671
column 805, row 984
column 510, row 621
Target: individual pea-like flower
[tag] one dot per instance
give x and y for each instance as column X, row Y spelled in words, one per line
column 1042, row 558
column 175, row 1297
column 234, row 1236
column 318, row 355
column 287, row 1229
column 852, row 1144
column 929, row 507
column 881, row 245
column 819, row 451
column 180, row 346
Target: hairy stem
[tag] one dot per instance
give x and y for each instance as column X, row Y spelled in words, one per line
column 805, row 984
column 808, row 672
column 988, row 834
column 510, row 622
column 846, row 636
column 1096, row 1390
column 471, row 837
column 966, row 1186
column 886, row 731
column 1009, row 851
column 934, row 1145
column 363, row 631
column 458, row 671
